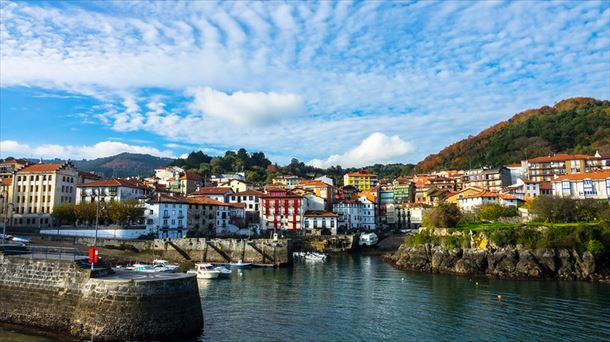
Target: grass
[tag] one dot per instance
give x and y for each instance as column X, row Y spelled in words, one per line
column 488, row 227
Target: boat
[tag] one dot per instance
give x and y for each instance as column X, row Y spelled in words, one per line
column 368, row 239
column 224, row 272
column 310, row 256
column 142, row 268
column 240, row 264
column 206, row 271
column 164, row 265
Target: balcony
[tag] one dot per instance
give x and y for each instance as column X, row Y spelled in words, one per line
column 165, row 216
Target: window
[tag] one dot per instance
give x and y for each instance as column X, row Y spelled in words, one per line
column 50, row 177
column 149, row 221
column 173, row 221
column 44, row 177
column 150, row 212
column 165, row 222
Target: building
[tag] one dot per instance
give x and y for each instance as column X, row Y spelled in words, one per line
column 317, row 221
column 216, row 180
column 6, row 198
column 557, row 165
column 237, row 185
column 517, row 171
column 326, row 180
column 221, row 194
column 168, row 174
column 87, row 177
column 368, row 212
column 361, row 180
column 320, row 189
column 201, row 216
column 106, row 190
column 404, row 190
column 471, row 202
column 250, row 198
column 488, row 179
column 288, row 181
column 189, row 182
column 38, row 188
column 409, row 215
column 281, row 210
column 348, row 213
column 583, row 185
column 8, row 167
column 166, row 216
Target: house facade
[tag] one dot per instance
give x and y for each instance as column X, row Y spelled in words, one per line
column 583, row 185
column 316, row 221
column 361, row 180
column 107, row 190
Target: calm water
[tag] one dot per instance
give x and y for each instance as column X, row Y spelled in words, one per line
column 361, row 298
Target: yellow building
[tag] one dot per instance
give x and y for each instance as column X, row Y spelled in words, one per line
column 38, row 188
column 361, row 180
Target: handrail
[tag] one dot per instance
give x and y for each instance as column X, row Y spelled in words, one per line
column 43, row 252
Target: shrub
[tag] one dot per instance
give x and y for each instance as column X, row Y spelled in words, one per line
column 595, row 247
column 451, row 242
column 492, row 212
column 421, row 238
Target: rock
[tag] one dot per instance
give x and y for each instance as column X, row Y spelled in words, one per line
column 473, row 261
column 527, row 267
column 584, row 265
column 565, row 269
column 502, row 262
column 547, row 258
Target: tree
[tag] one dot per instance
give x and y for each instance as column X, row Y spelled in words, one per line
column 492, row 212
column 85, row 212
column 445, row 215
column 64, row 212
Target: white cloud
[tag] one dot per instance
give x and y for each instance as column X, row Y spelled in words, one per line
column 246, row 108
column 101, row 149
column 376, row 148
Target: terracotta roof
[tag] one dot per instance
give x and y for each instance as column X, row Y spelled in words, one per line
column 88, row 175
column 169, row 199
column 546, row 186
column 7, row 181
column 249, row 193
column 361, row 173
column 211, row 190
column 14, row 161
column 586, row 175
column 310, row 213
column 41, row 168
column 488, row 194
column 114, row 182
column 513, row 165
column 191, row 176
column 560, row 157
column 313, row 182
column 204, row 200
column 369, row 196
column 236, row 205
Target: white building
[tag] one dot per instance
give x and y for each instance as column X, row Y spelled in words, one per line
column 319, row 220
column 107, row 190
column 326, row 180
column 166, row 216
column 221, row 194
column 287, row 180
column 583, row 185
column 470, row 202
column 168, row 174
column 348, row 213
column 228, row 176
column 237, row 185
column 367, row 213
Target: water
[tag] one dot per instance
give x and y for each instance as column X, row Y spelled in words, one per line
column 361, row 298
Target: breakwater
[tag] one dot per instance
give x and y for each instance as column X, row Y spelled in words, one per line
column 504, row 262
column 64, row 296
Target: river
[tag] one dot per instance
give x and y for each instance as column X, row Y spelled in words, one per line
column 361, row 298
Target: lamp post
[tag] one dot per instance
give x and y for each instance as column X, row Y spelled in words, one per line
column 95, row 195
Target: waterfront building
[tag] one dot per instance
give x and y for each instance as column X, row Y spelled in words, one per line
column 320, row 189
column 348, row 213
column 583, row 185
column 106, row 190
column 550, row 167
column 221, row 194
column 166, row 216
column 489, row 179
column 471, row 202
column 361, row 180
column 38, row 188
column 368, row 211
column 409, row 215
column 201, row 216
column 317, row 221
column 281, row 210
column 251, row 200
column 385, row 206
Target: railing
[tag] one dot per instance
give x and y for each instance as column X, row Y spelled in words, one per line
column 43, row 252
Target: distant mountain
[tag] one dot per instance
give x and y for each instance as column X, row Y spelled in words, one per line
column 120, row 165
column 576, row 125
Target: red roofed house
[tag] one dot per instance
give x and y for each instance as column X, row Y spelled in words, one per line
column 221, row 194
column 106, row 190
column 473, row 201
column 251, row 201
column 281, row 210
column 583, row 185
column 38, row 188
column 189, row 182
column 547, row 168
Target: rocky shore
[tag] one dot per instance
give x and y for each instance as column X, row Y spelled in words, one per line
column 505, row 262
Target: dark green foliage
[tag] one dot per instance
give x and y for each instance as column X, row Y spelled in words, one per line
column 426, row 236
column 572, row 126
column 445, row 215
column 595, row 247
column 492, row 212
column 553, row 209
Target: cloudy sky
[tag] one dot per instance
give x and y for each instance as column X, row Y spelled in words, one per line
column 348, row 83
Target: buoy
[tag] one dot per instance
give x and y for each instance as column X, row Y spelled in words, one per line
column 499, row 297
column 476, row 283
column 403, row 279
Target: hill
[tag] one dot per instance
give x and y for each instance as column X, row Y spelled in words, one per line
column 576, row 125
column 120, row 165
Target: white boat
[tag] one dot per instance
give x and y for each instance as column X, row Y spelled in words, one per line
column 368, row 239
column 240, row 264
column 224, row 272
column 164, row 265
column 142, row 268
column 310, row 256
column 206, row 271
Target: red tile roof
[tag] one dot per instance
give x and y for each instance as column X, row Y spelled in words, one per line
column 361, row 173
column 88, row 175
column 41, row 168
column 204, row 200
column 249, row 193
column 191, row 176
column 114, row 182
column 7, row 181
column 560, row 157
column 315, row 213
column 313, row 182
column 211, row 190
column 585, row 175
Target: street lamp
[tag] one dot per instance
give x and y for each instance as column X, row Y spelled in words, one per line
column 95, row 194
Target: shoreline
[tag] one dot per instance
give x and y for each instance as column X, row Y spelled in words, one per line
column 36, row 332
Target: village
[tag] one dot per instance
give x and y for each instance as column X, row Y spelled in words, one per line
column 174, row 203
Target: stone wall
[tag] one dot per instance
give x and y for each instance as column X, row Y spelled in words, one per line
column 507, row 262
column 60, row 296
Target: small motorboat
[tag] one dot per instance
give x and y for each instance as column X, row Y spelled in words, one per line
column 368, row 239
column 224, row 272
column 207, row 271
column 310, row 256
column 142, row 268
column 164, row 266
column 240, row 264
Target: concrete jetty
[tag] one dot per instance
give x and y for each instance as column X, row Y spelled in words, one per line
column 56, row 291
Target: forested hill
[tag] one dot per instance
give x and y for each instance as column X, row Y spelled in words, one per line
column 576, row 125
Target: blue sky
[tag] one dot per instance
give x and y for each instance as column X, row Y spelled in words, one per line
column 350, row 83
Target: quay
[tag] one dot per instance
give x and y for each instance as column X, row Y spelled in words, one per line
column 54, row 289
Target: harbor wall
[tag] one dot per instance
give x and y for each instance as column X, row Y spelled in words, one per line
column 59, row 295
column 504, row 262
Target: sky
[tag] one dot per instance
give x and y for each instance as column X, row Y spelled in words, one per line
column 330, row 83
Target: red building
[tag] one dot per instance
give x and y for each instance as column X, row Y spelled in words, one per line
column 281, row 210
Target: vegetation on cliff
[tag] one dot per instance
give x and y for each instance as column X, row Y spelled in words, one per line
column 577, row 125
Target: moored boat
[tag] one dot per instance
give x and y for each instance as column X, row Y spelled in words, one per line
column 206, row 271
column 224, row 272
column 240, row 264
